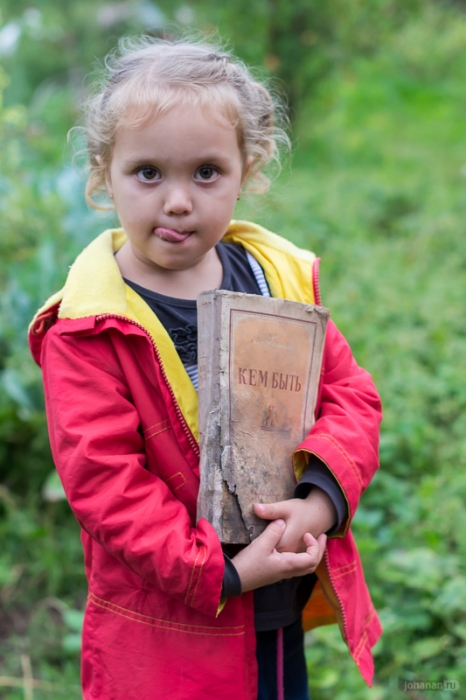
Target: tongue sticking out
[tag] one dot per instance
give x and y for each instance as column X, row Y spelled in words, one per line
column 167, row 234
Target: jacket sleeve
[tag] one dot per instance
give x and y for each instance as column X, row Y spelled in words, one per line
column 345, row 435
column 99, row 453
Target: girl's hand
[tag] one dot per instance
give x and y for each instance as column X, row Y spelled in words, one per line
column 315, row 514
column 260, row 563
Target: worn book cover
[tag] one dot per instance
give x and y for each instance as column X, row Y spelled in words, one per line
column 259, row 367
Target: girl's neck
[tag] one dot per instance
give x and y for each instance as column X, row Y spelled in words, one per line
column 206, row 274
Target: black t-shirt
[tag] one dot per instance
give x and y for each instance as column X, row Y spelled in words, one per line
column 179, row 316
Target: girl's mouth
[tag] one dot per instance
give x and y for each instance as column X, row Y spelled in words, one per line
column 172, row 236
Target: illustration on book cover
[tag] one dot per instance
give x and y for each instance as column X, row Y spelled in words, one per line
column 270, row 422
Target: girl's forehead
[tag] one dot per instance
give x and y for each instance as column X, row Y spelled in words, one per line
column 178, row 133
column 179, row 121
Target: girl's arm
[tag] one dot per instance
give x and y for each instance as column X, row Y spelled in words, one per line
column 99, row 452
column 345, row 435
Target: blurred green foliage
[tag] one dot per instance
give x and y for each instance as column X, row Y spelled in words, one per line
column 377, row 187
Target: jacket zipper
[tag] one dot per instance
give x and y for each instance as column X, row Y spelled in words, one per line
column 318, row 300
column 316, row 281
column 329, row 573
column 342, row 610
column 178, row 410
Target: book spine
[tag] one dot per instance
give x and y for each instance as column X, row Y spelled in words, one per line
column 210, row 499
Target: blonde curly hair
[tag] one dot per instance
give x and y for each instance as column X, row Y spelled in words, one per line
column 146, row 77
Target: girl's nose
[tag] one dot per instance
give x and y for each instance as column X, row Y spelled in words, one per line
column 177, row 200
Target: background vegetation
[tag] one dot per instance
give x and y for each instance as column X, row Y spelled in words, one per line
column 377, row 188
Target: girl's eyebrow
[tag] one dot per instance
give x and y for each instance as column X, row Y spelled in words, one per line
column 207, row 157
column 138, row 162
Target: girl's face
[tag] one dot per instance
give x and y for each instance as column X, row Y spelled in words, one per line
column 175, row 182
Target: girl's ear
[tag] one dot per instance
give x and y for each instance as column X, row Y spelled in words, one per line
column 108, row 181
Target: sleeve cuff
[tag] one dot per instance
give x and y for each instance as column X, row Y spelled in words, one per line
column 318, row 474
column 231, row 585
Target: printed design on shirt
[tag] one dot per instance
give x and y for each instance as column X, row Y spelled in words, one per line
column 185, row 342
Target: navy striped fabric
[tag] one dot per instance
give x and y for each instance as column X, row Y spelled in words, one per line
column 259, row 275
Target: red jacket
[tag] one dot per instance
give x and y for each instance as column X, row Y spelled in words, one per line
column 129, row 463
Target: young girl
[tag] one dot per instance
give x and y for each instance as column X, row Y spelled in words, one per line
column 174, row 133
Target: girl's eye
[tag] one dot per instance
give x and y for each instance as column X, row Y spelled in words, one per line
column 148, row 174
column 206, row 173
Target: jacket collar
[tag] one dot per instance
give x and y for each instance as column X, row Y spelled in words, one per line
column 94, row 285
column 288, row 269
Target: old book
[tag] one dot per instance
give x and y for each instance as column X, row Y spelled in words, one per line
column 259, row 368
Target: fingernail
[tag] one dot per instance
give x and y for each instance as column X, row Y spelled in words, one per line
column 260, row 507
column 280, row 521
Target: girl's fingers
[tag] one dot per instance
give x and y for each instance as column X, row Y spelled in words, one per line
column 271, row 511
column 315, row 548
column 261, row 564
column 271, row 536
column 305, row 562
column 310, row 540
